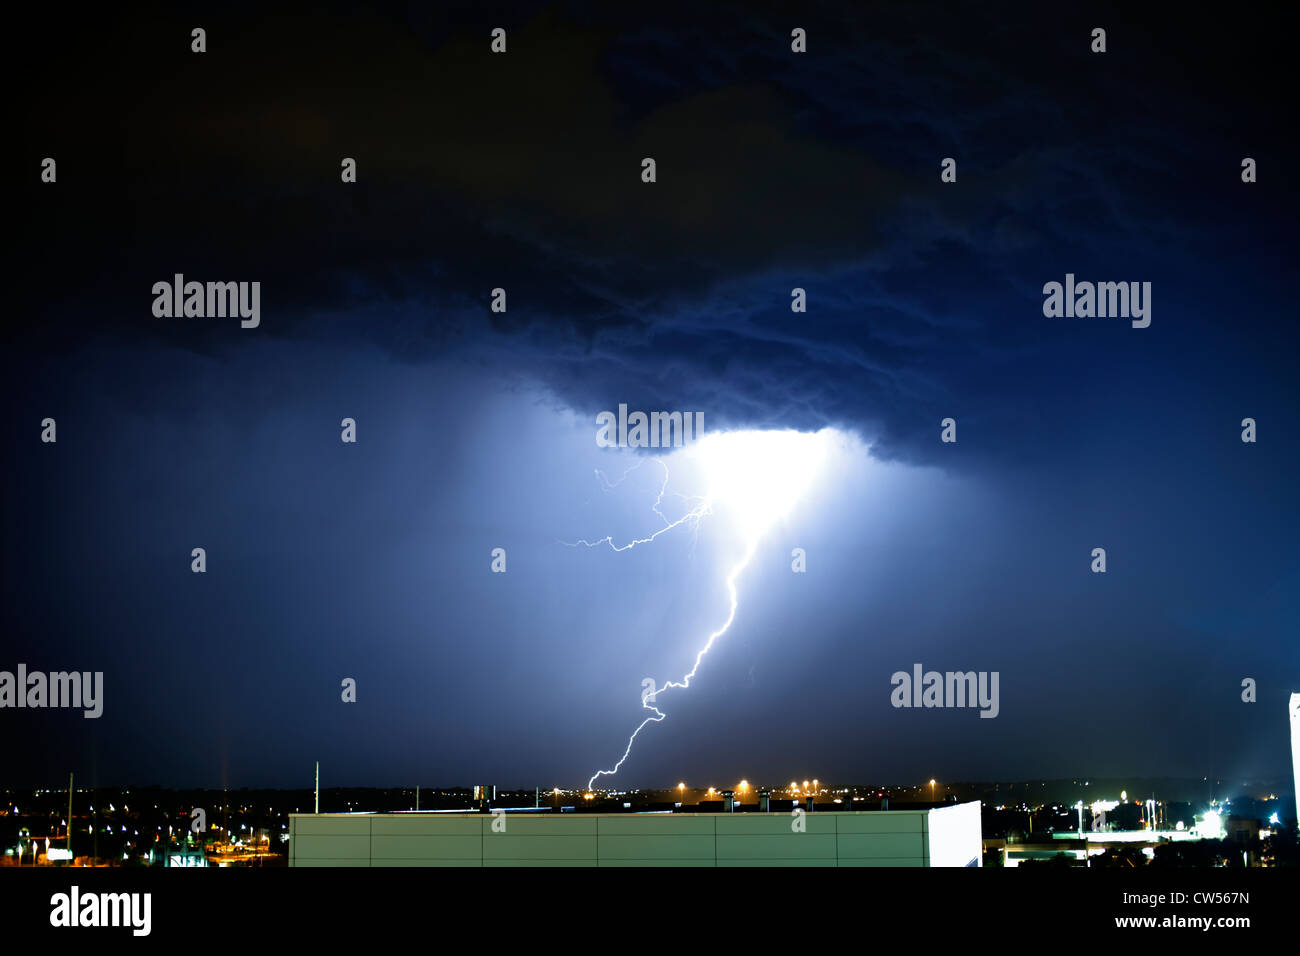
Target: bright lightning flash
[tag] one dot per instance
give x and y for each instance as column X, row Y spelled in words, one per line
column 755, row 478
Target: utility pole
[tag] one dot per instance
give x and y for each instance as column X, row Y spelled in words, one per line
column 317, row 787
column 69, row 815
column 417, row 797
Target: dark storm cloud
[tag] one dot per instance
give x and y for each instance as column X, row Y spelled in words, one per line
column 775, row 171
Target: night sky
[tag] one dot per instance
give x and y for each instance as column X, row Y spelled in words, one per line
column 476, row 430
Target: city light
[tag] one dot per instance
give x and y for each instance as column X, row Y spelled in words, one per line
column 1210, row 826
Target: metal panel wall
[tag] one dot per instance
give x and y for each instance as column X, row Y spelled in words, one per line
column 827, row 838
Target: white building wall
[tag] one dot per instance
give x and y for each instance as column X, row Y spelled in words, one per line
column 823, row 838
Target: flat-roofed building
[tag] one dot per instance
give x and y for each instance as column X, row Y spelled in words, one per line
column 942, row 836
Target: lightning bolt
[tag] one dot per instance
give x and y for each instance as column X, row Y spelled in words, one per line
column 701, row 508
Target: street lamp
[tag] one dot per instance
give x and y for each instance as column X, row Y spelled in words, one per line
column 932, row 790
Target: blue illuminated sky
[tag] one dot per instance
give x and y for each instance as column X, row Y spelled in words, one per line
column 476, row 430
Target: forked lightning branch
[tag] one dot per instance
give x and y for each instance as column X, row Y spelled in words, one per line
column 756, row 477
